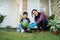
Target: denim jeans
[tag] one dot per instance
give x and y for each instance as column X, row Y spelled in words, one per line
column 22, row 27
column 42, row 25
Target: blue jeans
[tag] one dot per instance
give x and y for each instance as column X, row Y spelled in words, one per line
column 22, row 27
column 42, row 24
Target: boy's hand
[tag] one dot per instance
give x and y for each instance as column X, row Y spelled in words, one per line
column 20, row 19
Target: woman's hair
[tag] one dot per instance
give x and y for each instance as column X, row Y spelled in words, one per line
column 25, row 13
column 32, row 12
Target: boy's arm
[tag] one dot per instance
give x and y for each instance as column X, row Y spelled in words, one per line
column 28, row 20
column 20, row 20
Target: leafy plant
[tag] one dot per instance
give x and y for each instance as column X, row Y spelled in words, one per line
column 51, row 17
column 53, row 22
column 2, row 18
column 8, row 28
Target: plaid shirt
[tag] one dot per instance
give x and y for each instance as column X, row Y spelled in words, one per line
column 40, row 17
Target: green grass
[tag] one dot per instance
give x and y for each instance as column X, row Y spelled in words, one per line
column 28, row 36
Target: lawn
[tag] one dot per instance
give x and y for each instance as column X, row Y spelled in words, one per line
column 28, row 36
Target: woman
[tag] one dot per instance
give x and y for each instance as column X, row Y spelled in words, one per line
column 40, row 19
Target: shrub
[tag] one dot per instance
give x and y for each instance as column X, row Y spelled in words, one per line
column 2, row 18
column 8, row 28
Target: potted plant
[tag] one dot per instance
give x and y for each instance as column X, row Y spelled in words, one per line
column 54, row 30
column 52, row 23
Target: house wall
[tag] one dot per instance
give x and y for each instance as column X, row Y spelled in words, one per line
column 55, row 6
column 14, row 8
column 44, row 5
column 24, row 5
column 9, row 8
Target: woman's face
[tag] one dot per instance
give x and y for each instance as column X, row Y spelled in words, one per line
column 35, row 13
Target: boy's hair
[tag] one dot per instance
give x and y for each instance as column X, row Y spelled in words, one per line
column 25, row 13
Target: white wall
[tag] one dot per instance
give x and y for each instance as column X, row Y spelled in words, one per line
column 9, row 8
column 44, row 6
column 13, row 8
column 32, row 4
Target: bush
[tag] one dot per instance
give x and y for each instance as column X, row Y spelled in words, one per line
column 2, row 18
column 8, row 28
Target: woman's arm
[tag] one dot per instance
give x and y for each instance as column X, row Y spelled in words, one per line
column 42, row 16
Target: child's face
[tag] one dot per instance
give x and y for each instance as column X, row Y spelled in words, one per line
column 25, row 16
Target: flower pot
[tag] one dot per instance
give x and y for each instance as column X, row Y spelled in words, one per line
column 55, row 32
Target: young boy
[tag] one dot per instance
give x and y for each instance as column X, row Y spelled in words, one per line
column 24, row 21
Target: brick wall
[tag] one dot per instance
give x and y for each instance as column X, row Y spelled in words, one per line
column 24, row 5
column 55, row 4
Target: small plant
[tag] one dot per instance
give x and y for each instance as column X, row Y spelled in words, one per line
column 8, row 28
column 2, row 17
column 53, row 22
